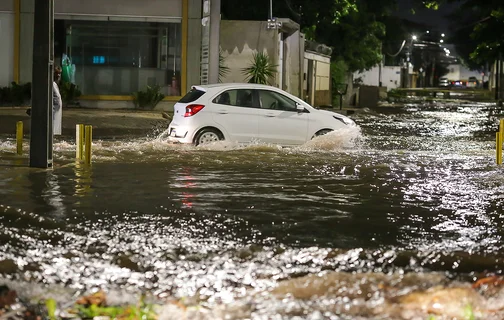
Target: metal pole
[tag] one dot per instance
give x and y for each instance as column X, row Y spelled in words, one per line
column 214, row 41
column 19, row 138
column 79, row 141
column 497, row 78
column 501, row 87
column 88, row 143
column 41, row 136
column 271, row 9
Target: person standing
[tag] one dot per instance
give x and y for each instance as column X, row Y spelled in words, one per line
column 57, row 103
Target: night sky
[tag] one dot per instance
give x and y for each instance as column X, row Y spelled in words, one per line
column 436, row 18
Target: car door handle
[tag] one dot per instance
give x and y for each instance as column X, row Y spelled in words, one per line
column 222, row 112
column 270, row 115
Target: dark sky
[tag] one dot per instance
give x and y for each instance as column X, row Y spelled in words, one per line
column 435, row 18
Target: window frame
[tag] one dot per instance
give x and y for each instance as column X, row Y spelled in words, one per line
column 278, row 93
column 255, row 98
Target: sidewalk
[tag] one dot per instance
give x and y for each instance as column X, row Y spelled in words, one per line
column 105, row 123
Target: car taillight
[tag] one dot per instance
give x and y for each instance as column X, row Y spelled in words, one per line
column 192, row 109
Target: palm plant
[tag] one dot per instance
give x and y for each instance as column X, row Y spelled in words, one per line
column 260, row 70
column 223, row 69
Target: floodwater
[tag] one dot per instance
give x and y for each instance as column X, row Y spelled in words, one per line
column 391, row 221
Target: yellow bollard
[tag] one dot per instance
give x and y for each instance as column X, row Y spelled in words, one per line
column 498, row 141
column 89, row 138
column 501, row 129
column 19, row 137
column 79, row 142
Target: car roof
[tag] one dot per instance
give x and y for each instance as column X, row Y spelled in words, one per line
column 233, row 84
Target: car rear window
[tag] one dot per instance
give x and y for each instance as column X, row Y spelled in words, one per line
column 192, row 95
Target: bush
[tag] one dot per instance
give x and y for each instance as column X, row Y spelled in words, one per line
column 339, row 71
column 148, row 99
column 260, row 69
column 15, row 94
column 69, row 93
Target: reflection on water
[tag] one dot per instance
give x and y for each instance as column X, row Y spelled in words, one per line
column 416, row 192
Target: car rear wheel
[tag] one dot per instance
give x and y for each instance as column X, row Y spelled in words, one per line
column 208, row 136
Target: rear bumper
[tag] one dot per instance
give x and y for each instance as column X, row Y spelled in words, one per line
column 179, row 134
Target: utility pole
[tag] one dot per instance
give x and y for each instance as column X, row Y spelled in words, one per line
column 497, row 78
column 41, row 136
column 380, row 66
column 210, row 41
column 501, row 71
column 433, row 72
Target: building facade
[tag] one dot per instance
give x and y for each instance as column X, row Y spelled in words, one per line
column 115, row 47
column 284, row 46
column 390, row 77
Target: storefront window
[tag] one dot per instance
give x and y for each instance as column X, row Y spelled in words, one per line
column 119, row 58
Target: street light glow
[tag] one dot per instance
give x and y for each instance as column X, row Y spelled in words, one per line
column 414, row 37
column 441, row 40
column 442, row 34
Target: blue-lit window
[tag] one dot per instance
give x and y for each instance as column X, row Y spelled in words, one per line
column 98, row 59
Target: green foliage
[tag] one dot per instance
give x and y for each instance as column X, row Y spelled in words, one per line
column 142, row 311
column 260, row 69
column 51, row 308
column 478, row 37
column 69, row 93
column 223, row 69
column 355, row 29
column 469, row 313
column 339, row 71
column 15, row 94
column 149, row 98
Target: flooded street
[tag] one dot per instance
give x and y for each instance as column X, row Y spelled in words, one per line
column 411, row 201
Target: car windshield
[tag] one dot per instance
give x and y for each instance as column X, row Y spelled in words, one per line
column 192, row 95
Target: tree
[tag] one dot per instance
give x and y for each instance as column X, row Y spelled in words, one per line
column 478, row 34
column 355, row 29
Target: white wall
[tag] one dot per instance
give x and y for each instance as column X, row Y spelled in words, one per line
column 391, row 77
column 239, row 40
column 6, row 48
column 460, row 72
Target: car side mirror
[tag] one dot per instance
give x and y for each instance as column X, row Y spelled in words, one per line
column 300, row 107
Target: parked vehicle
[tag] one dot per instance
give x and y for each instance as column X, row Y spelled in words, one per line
column 247, row 112
column 458, row 84
column 443, row 82
column 472, row 82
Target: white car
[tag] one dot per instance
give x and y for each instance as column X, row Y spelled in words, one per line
column 244, row 112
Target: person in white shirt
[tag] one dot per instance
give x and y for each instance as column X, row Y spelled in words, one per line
column 57, row 103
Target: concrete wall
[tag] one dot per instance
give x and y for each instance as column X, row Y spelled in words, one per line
column 318, row 78
column 292, row 83
column 460, row 72
column 239, row 40
column 7, row 45
column 391, row 77
column 193, row 44
column 7, row 6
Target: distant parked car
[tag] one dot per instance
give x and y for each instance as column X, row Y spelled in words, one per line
column 458, row 84
column 472, row 82
column 246, row 112
column 443, row 82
